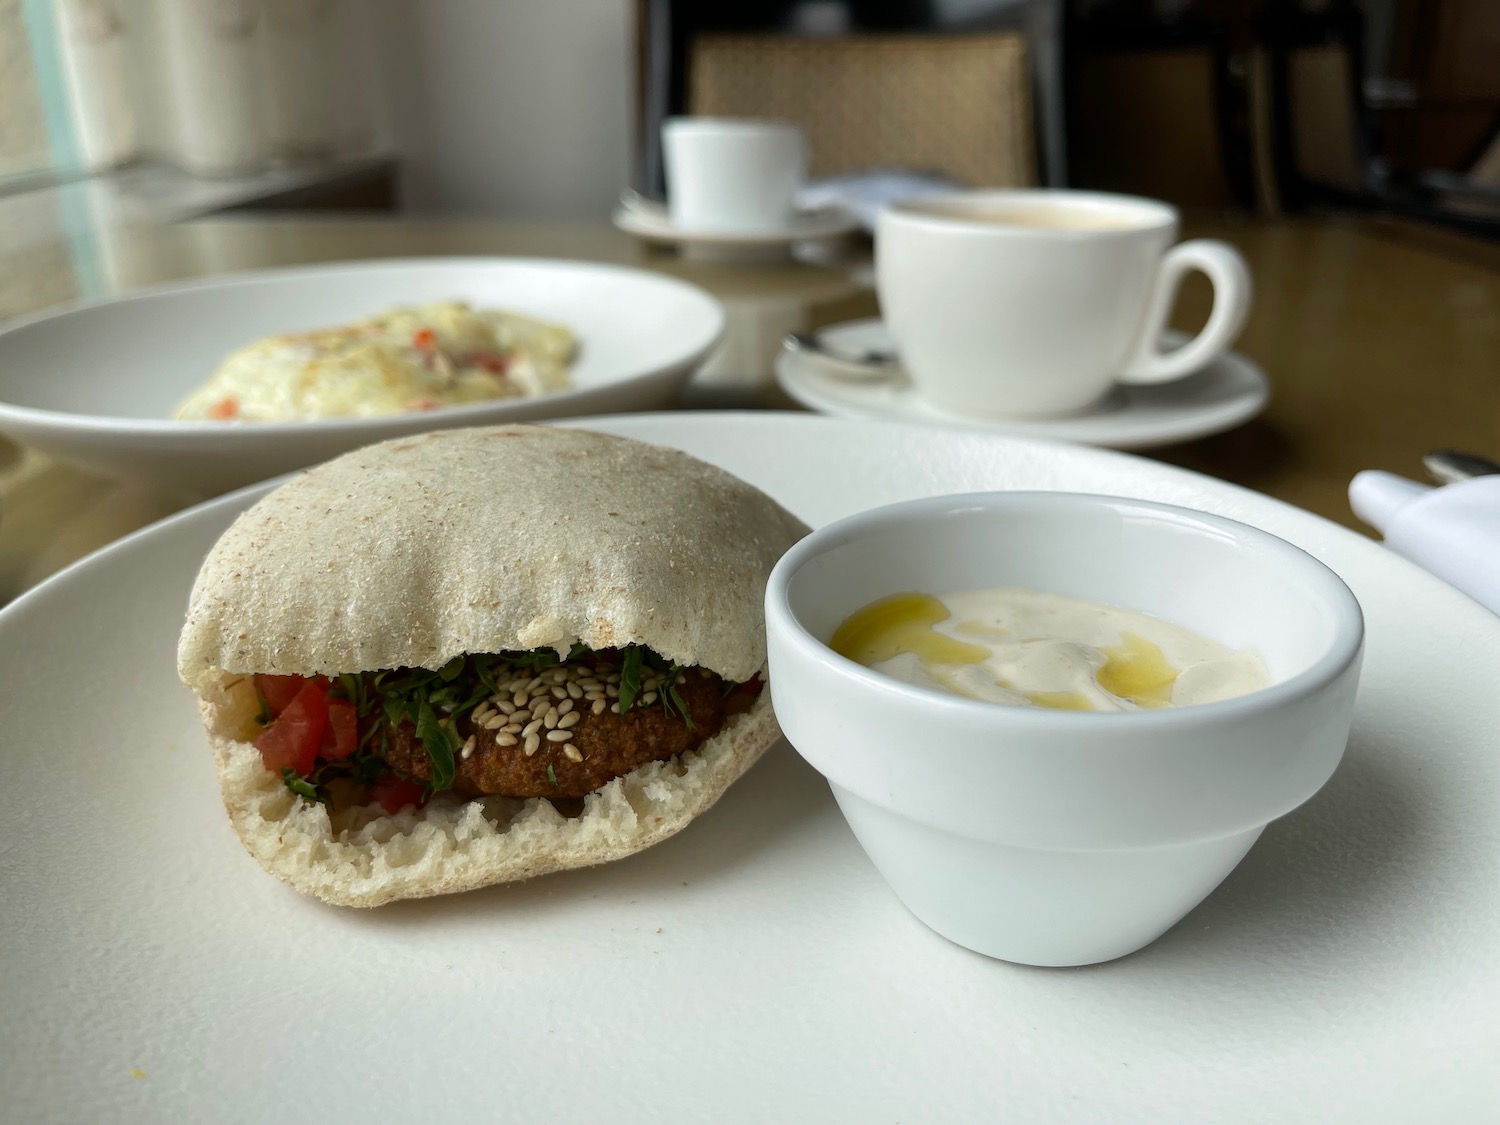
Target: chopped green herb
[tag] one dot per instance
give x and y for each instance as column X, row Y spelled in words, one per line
column 439, row 742
column 367, row 767
column 484, row 669
column 551, row 774
column 371, row 730
column 298, row 785
column 537, row 660
column 395, row 710
column 264, row 716
column 630, row 676
column 353, row 689
column 670, row 699
column 632, row 660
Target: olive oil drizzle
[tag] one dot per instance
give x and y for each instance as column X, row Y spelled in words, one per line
column 1060, row 700
column 1135, row 670
column 902, row 623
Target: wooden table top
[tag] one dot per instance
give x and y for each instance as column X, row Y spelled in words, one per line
column 1381, row 340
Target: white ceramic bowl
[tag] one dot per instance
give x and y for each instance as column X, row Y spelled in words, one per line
column 97, row 383
column 1058, row 837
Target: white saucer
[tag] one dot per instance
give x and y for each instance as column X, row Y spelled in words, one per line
column 1228, row 392
column 649, row 220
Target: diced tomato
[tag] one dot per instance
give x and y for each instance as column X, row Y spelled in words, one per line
column 341, row 735
column 293, row 739
column 394, row 793
column 225, row 409
column 490, row 361
column 424, row 339
column 279, row 691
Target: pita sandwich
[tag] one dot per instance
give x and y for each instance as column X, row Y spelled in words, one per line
column 476, row 656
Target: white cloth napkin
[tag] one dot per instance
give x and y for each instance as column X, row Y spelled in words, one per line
column 1452, row 530
column 865, row 193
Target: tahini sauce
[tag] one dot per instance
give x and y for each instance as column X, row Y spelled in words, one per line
column 1029, row 649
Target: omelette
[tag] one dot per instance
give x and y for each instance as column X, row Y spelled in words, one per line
column 421, row 357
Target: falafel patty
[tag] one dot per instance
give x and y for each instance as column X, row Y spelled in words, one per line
column 561, row 743
column 520, row 724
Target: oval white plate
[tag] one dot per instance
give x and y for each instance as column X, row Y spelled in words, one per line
column 97, row 383
column 1227, row 393
column 755, row 967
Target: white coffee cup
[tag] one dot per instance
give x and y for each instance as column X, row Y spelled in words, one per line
column 730, row 175
column 1035, row 303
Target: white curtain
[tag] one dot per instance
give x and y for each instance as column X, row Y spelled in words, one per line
column 220, row 87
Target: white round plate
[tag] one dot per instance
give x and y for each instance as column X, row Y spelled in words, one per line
column 649, row 220
column 755, row 967
column 97, row 383
column 1227, row 393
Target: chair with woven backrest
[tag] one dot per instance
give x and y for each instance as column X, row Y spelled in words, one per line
column 954, row 105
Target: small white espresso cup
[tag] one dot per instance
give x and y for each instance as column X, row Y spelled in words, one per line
column 1035, row 303
column 731, row 175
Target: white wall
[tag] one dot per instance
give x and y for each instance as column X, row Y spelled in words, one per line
column 511, row 107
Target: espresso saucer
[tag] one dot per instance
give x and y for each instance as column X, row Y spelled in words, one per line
column 1225, row 394
column 650, row 221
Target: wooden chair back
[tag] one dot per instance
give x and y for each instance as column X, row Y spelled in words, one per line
column 956, row 105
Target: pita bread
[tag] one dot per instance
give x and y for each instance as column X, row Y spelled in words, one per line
column 417, row 550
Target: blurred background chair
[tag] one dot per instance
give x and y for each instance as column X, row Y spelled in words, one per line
column 1468, row 198
column 1324, row 142
column 1152, row 107
column 1275, row 105
column 970, row 91
column 958, row 106
column 1344, row 138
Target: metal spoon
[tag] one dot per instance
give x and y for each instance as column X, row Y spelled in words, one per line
column 1448, row 466
column 871, row 363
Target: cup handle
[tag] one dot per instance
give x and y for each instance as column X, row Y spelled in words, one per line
column 1232, row 289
